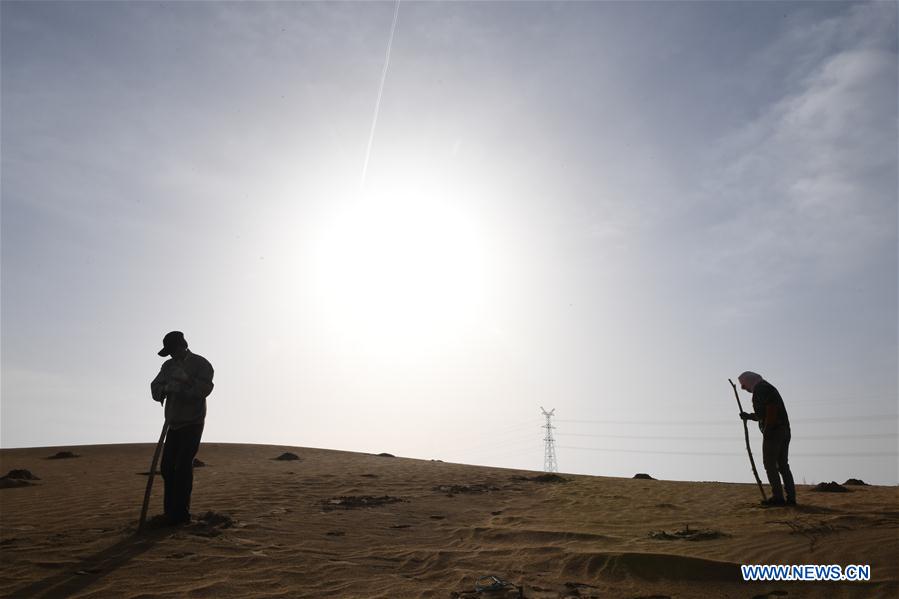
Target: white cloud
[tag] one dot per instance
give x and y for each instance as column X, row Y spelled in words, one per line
column 810, row 185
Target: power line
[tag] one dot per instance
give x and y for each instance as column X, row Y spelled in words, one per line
column 522, row 452
column 731, row 422
column 511, row 445
column 494, row 439
column 846, row 400
column 722, row 453
column 731, row 438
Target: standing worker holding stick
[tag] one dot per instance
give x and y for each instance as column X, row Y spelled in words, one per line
column 771, row 414
column 185, row 380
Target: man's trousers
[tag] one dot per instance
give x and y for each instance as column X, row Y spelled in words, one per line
column 177, row 470
column 775, row 454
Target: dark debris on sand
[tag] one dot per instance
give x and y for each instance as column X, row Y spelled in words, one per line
column 856, row 482
column 549, row 478
column 831, row 487
column 349, row 502
column 496, row 588
column 199, row 463
column 687, row 534
column 157, row 522
column 643, row 476
column 580, row 589
column 210, row 524
column 63, row 455
column 451, row 490
column 287, row 457
column 17, row 478
column 215, row 519
column 505, row 593
column 21, row 474
column 509, row 593
column 13, row 483
column 386, row 455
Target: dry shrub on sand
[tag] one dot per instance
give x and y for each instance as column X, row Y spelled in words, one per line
column 549, row 478
column 813, row 530
column 349, row 502
column 287, row 457
column 465, row 489
column 63, row 455
column 831, row 487
column 687, row 534
column 21, row 474
column 17, row 478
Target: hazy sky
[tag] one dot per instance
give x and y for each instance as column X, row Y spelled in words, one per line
column 603, row 208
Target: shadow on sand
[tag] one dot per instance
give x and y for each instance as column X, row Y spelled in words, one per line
column 91, row 569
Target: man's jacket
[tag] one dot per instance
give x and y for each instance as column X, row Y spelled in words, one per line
column 183, row 385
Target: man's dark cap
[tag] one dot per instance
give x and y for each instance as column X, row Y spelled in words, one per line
column 173, row 340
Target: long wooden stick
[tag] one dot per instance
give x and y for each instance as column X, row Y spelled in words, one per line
column 748, row 449
column 143, row 511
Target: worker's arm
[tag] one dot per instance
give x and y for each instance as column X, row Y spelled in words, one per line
column 770, row 415
column 195, row 380
column 157, row 386
column 200, row 385
column 748, row 416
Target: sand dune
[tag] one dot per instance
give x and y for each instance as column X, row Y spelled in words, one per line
column 340, row 524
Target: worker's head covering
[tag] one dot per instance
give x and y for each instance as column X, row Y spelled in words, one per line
column 750, row 379
column 172, row 341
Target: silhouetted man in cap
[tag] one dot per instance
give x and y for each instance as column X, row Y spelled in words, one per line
column 771, row 414
column 182, row 385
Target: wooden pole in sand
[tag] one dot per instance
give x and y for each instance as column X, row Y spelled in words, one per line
column 748, row 449
column 143, row 511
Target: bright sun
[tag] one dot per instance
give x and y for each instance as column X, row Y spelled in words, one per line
column 397, row 276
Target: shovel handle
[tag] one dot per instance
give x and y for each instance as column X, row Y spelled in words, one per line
column 152, row 473
column 755, row 472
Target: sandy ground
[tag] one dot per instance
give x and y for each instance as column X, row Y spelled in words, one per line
column 340, row 524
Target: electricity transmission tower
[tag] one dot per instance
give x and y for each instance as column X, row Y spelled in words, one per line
column 549, row 452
